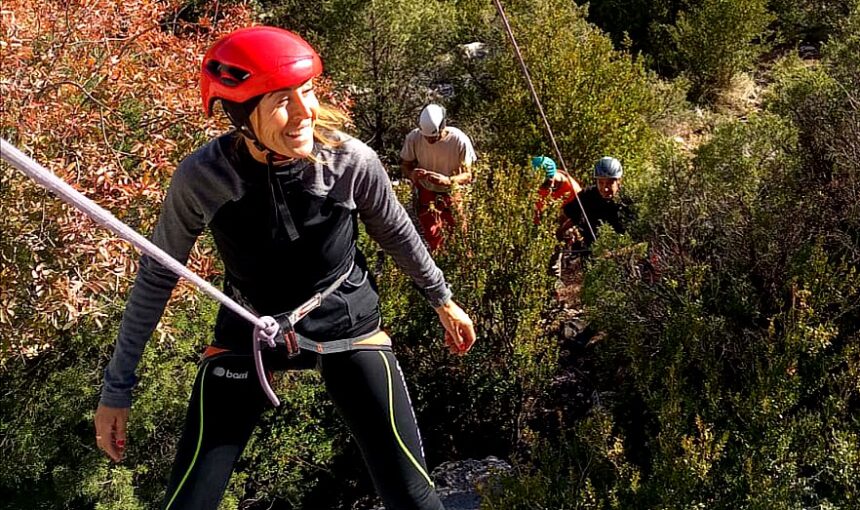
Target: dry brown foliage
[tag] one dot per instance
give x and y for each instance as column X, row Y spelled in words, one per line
column 103, row 93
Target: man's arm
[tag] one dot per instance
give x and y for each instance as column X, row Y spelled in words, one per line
column 407, row 168
column 467, row 158
column 464, row 176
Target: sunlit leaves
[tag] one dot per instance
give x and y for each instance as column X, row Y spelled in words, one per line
column 105, row 95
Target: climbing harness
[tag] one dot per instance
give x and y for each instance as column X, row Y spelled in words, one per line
column 528, row 78
column 287, row 323
column 266, row 328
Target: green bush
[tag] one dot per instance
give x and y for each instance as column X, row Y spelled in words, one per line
column 730, row 381
column 597, row 100
column 821, row 101
column 809, row 21
column 498, row 271
column 584, row 469
column 715, row 39
column 632, row 22
column 727, row 371
column 642, row 25
column 49, row 458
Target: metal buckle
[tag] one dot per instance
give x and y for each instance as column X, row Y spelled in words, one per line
column 291, row 340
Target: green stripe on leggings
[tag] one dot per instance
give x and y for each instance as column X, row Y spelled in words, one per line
column 394, row 425
column 199, row 442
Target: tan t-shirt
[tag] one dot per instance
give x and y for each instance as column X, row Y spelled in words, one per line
column 446, row 156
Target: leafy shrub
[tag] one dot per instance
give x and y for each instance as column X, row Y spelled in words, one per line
column 809, row 20
column 705, row 41
column 730, row 380
column 498, row 271
column 49, row 455
column 584, row 469
column 632, row 22
column 821, row 102
column 715, row 39
column 598, row 101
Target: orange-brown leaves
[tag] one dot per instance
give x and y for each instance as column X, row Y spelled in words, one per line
column 105, row 94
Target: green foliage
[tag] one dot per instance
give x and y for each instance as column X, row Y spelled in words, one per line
column 598, row 101
column 633, row 22
column 49, row 456
column 730, row 379
column 706, row 41
column 809, row 20
column 388, row 55
column 641, row 24
column 728, row 365
column 821, row 102
column 498, row 271
column 714, row 40
column 585, row 469
column 48, row 412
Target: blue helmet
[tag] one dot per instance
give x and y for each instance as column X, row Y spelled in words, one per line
column 546, row 164
column 608, row 168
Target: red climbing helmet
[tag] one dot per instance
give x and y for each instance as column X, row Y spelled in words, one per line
column 254, row 61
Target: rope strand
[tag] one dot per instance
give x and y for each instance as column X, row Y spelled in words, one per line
column 73, row 197
column 539, row 106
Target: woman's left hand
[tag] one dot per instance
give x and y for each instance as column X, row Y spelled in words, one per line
column 459, row 330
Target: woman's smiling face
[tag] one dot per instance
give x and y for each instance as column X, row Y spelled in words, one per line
column 284, row 120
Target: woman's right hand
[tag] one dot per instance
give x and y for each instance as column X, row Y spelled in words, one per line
column 459, row 329
column 110, row 430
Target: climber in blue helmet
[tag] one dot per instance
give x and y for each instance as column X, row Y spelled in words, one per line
column 602, row 202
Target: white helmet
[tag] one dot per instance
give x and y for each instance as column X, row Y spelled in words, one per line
column 432, row 120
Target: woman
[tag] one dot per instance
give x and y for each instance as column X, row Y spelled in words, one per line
column 281, row 195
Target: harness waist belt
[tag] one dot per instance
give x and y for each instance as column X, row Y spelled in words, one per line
column 346, row 344
column 287, row 322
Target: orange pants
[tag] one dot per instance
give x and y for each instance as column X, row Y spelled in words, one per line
column 435, row 213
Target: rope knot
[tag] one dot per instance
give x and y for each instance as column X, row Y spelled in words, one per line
column 266, row 333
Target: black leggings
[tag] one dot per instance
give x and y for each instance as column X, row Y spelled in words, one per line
column 368, row 390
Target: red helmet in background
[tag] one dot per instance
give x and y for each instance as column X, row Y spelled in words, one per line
column 254, row 61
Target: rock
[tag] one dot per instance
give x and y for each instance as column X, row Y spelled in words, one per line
column 457, row 482
column 474, row 50
column 808, row 51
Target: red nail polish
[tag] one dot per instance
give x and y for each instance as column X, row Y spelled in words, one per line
column 120, row 443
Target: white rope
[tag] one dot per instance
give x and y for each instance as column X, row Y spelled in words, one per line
column 73, row 197
column 540, row 107
column 265, row 328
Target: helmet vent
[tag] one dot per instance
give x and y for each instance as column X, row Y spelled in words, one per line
column 227, row 75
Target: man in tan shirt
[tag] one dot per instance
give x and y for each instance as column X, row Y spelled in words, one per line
column 436, row 158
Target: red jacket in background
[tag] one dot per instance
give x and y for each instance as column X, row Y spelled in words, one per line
column 564, row 189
